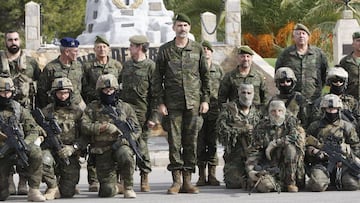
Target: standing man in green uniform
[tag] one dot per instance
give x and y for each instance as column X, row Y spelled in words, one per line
column 181, row 90
column 137, row 83
column 309, row 63
column 93, row 69
column 206, row 149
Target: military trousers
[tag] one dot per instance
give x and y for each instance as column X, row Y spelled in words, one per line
column 206, row 143
column 183, row 127
column 144, row 149
column 32, row 172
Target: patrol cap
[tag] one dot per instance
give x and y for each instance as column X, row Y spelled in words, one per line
column 182, row 17
column 138, row 39
column 69, row 42
column 245, row 50
column 356, row 35
column 300, row 26
column 208, row 45
column 101, row 39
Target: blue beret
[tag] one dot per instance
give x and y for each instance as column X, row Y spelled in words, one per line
column 69, row 42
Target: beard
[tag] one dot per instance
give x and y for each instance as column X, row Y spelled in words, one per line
column 13, row 49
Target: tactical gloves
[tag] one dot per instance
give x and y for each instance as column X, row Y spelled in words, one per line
column 66, row 151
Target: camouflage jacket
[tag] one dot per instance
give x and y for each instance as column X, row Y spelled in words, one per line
column 137, row 83
column 94, row 116
column 229, row 86
column 181, row 79
column 69, row 120
column 55, row 69
column 216, row 75
column 310, row 69
column 232, row 130
column 25, row 72
column 92, row 70
column 351, row 66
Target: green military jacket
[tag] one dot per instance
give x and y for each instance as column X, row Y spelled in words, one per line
column 94, row 116
column 216, row 75
column 25, row 72
column 351, row 66
column 137, row 83
column 92, row 70
column 310, row 69
column 181, row 79
column 69, row 119
column 22, row 119
column 55, row 69
column 232, row 80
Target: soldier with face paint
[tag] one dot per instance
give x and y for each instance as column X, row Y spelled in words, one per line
column 273, row 154
column 235, row 127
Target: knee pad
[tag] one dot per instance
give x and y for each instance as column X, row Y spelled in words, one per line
column 350, row 182
column 319, row 180
column 47, row 158
column 107, row 190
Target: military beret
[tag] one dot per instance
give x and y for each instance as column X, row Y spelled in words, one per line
column 182, row 17
column 100, row 39
column 356, row 35
column 300, row 26
column 207, row 44
column 69, row 42
column 245, row 50
column 138, row 39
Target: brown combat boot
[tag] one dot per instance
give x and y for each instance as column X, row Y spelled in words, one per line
column 144, row 183
column 120, row 187
column 94, row 187
column 187, row 187
column 292, row 188
column 12, row 188
column 22, row 187
column 34, row 195
column 202, row 176
column 52, row 193
column 212, row 177
column 175, row 187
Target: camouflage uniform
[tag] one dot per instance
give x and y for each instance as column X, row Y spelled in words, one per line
column 236, row 138
column 232, row 80
column 353, row 68
column 55, row 69
column 181, row 82
column 30, row 130
column 310, row 69
column 288, row 144
column 92, row 70
column 137, row 84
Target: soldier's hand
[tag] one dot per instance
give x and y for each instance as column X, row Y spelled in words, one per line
column 150, row 124
column 321, row 155
column 272, row 145
column 253, row 175
column 204, row 107
column 163, row 110
column 38, row 141
column 66, row 151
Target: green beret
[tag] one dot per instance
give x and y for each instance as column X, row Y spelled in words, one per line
column 245, row 50
column 300, row 26
column 207, row 44
column 182, row 17
column 138, row 39
column 356, row 35
column 100, row 39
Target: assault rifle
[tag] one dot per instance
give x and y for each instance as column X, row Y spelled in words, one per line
column 52, row 129
column 126, row 128
column 14, row 142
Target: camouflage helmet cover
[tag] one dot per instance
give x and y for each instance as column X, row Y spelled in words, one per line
column 284, row 73
column 6, row 84
column 106, row 81
column 331, row 101
column 337, row 72
column 61, row 83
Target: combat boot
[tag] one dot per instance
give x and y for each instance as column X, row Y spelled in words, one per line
column 12, row 188
column 52, row 193
column 34, row 195
column 292, row 188
column 94, row 187
column 212, row 176
column 144, row 182
column 120, row 187
column 22, row 187
column 129, row 193
column 187, row 187
column 175, row 187
column 202, row 176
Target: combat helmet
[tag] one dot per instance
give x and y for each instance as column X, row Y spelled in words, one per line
column 284, row 73
column 106, row 81
column 61, row 83
column 337, row 72
column 331, row 101
column 6, row 84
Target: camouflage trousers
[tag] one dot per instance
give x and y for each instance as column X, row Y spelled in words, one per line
column 66, row 177
column 107, row 163
column 206, row 144
column 144, row 149
column 32, row 172
column 235, row 175
column 287, row 157
column 183, row 127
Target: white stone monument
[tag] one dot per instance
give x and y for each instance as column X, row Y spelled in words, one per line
column 233, row 23
column 32, row 25
column 208, row 26
column 118, row 20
